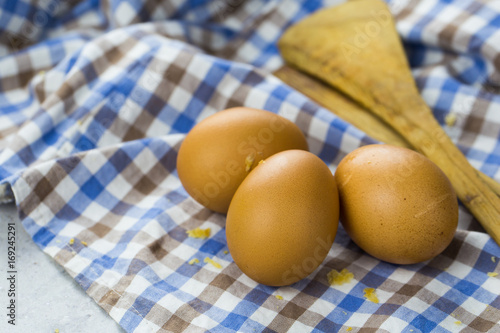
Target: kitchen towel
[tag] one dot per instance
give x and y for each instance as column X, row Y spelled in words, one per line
column 97, row 96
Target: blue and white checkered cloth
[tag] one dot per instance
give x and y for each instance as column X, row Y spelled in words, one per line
column 96, row 97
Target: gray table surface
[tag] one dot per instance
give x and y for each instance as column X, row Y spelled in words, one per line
column 48, row 299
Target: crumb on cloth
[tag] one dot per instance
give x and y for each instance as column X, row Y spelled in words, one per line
column 193, row 261
column 450, row 119
column 336, row 278
column 369, row 294
column 212, row 262
column 199, row 233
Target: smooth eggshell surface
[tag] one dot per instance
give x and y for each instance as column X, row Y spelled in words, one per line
column 283, row 218
column 219, row 152
column 396, row 204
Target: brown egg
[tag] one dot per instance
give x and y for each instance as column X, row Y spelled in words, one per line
column 283, row 218
column 396, row 204
column 219, row 152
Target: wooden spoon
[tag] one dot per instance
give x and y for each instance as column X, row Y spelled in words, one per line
column 354, row 47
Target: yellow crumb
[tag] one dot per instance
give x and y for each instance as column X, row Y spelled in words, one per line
column 58, row 241
column 193, row 261
column 226, row 252
column 71, row 241
column 492, row 274
column 56, row 330
column 261, row 162
column 458, row 322
column 84, row 243
column 41, row 73
column 344, row 312
column 199, row 233
column 249, row 162
column 336, row 278
column 453, row 315
column 279, row 297
column 450, row 119
column 210, row 261
column 349, row 329
column 370, row 295
column 493, row 259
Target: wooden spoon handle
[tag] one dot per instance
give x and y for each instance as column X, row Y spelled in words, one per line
column 349, row 110
column 494, row 185
column 423, row 132
column 477, row 191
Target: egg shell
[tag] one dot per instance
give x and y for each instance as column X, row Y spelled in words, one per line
column 283, row 218
column 219, row 152
column 396, row 204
